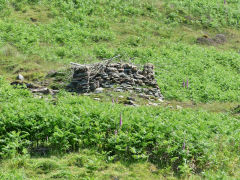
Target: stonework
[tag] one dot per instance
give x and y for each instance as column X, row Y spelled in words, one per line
column 117, row 76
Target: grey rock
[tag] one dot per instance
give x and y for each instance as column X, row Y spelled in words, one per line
column 119, row 90
column 104, row 75
column 20, row 77
column 139, row 76
column 220, row 38
column 93, row 86
column 205, row 40
column 80, row 69
column 131, row 99
column 99, row 90
column 120, row 70
column 123, row 75
column 111, row 69
column 134, row 69
column 179, row 107
column 145, row 90
column 152, row 104
column 129, row 88
column 126, row 66
column 55, row 91
column 115, row 75
column 138, row 90
column 124, row 85
column 115, row 65
column 41, row 90
column 149, row 93
column 144, row 96
column 140, row 82
column 130, row 102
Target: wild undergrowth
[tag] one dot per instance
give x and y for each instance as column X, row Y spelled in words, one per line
column 185, row 141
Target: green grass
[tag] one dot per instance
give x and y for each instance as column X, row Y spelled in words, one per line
column 87, row 165
column 39, row 36
column 83, row 165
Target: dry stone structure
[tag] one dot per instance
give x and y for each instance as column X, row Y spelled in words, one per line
column 117, row 76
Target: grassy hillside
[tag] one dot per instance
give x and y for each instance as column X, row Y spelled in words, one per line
column 77, row 31
column 39, row 36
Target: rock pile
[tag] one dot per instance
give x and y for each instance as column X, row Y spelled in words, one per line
column 34, row 88
column 218, row 39
column 117, row 76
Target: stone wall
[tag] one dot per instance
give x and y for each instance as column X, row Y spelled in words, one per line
column 117, row 76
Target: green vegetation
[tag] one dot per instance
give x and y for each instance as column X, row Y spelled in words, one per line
column 206, row 14
column 154, row 142
column 84, row 165
column 182, row 141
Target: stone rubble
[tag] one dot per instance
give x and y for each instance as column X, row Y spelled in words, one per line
column 218, row 39
column 35, row 89
column 119, row 77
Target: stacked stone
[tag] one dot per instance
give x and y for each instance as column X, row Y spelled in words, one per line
column 120, row 76
column 80, row 80
column 148, row 72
